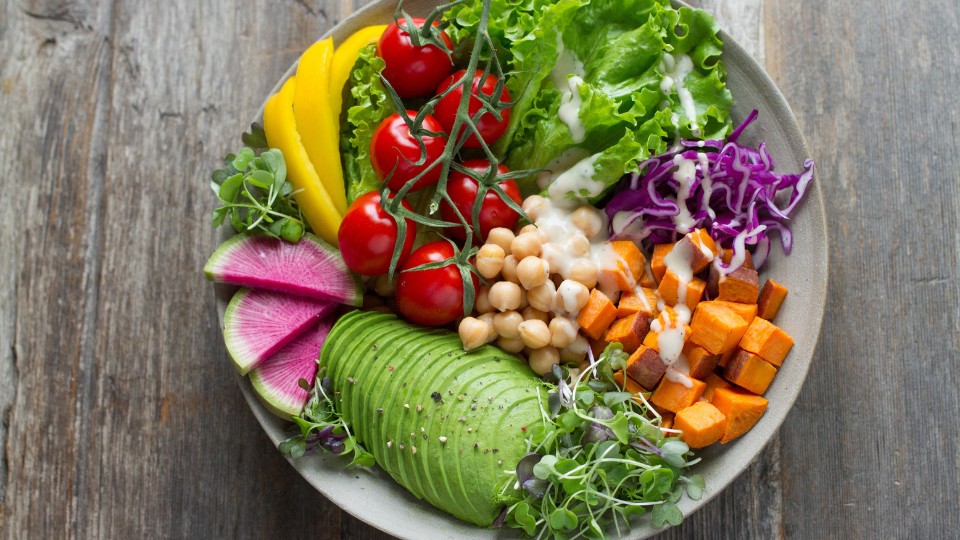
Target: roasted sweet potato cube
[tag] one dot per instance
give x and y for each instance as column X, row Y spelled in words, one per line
column 739, row 286
column 629, row 331
column 751, row 372
column 699, row 248
column 640, row 299
column 727, row 256
column 747, row 312
column 716, row 328
column 669, row 290
column 645, row 367
column 699, row 360
column 647, row 279
column 726, row 357
column 771, row 296
column 743, row 410
column 677, row 391
column 701, row 424
column 597, row 315
column 631, row 256
column 652, row 341
column 657, row 266
column 666, row 422
column 713, row 381
column 668, row 326
column 767, row 341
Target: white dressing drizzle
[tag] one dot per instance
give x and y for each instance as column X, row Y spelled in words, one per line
column 577, row 180
column 684, row 175
column 707, row 182
column 569, row 111
column 674, row 70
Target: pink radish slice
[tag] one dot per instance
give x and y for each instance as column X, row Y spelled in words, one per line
column 309, row 268
column 276, row 380
column 259, row 323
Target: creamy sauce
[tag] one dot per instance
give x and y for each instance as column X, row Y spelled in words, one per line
column 577, row 180
column 707, row 182
column 673, row 375
column 674, row 70
column 567, row 64
column 560, row 164
column 685, row 174
column 569, row 111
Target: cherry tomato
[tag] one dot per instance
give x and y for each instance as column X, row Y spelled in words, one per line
column 490, row 128
column 493, row 212
column 368, row 235
column 413, row 71
column 431, row 297
column 393, row 146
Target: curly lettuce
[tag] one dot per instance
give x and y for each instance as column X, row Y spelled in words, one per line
column 624, row 53
column 366, row 106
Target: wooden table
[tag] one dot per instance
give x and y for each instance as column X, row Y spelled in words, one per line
column 120, row 413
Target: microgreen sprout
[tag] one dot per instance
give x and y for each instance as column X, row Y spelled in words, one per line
column 255, row 193
column 599, row 457
column 323, row 428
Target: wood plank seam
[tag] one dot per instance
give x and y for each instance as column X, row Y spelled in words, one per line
column 95, row 211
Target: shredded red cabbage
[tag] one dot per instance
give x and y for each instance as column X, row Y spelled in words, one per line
column 732, row 195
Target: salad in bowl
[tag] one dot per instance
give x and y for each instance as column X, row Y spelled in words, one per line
column 514, row 257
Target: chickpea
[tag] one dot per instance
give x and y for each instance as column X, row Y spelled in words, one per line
column 579, row 245
column 473, row 333
column 534, row 205
column 502, row 237
column 384, row 287
column 563, row 332
column 507, row 324
column 569, row 356
column 583, row 271
column 588, row 219
column 532, row 272
column 542, row 360
column 510, row 345
column 525, row 245
column 577, row 351
column 523, row 299
column 572, row 296
column 531, row 313
column 529, row 229
column 505, row 295
column 482, row 301
column 553, row 255
column 490, row 260
column 509, row 270
column 535, row 334
column 487, row 318
column 543, row 297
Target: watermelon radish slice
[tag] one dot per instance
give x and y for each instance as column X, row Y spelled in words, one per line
column 309, row 268
column 259, row 323
column 276, row 380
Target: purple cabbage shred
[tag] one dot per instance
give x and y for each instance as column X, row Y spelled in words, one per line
column 734, row 194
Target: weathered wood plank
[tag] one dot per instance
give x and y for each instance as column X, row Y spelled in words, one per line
column 53, row 90
column 871, row 446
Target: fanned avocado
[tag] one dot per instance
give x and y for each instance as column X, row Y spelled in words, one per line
column 442, row 422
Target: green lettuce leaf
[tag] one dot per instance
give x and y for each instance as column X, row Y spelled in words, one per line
column 619, row 48
column 367, row 105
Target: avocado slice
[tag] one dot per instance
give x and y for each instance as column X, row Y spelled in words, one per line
column 401, row 387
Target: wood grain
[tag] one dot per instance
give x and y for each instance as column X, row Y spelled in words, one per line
column 120, row 418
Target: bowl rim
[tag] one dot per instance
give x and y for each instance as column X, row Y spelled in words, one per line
column 738, row 462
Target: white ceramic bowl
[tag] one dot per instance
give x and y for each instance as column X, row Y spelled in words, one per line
column 379, row 501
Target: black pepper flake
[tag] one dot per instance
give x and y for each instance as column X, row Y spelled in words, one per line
column 379, row 410
column 375, row 347
column 486, row 451
column 496, row 450
column 424, row 436
column 476, row 445
column 404, row 385
column 436, row 396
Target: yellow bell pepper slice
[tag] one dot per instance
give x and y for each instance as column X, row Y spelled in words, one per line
column 316, row 124
column 280, row 126
column 344, row 59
